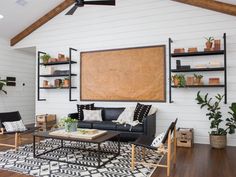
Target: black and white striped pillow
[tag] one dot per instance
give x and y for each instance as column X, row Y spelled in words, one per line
column 14, row 126
column 141, row 111
column 80, row 110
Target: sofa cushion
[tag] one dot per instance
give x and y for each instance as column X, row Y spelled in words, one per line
column 84, row 124
column 137, row 128
column 80, row 110
column 141, row 111
column 109, row 114
column 105, row 125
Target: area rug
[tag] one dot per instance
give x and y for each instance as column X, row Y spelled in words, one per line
column 22, row 161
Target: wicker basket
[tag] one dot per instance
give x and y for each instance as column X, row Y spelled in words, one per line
column 218, row 141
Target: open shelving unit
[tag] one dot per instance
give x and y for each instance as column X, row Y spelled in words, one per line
column 200, row 53
column 70, row 75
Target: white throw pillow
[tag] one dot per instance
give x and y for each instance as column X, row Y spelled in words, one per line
column 14, row 126
column 152, row 110
column 127, row 115
column 157, row 141
column 92, row 115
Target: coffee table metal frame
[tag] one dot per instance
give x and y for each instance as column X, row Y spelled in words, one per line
column 99, row 140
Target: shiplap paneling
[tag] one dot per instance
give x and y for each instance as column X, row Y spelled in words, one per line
column 140, row 23
column 15, row 63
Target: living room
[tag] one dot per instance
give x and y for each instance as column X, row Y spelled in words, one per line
column 116, row 58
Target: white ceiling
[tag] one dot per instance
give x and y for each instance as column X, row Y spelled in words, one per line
column 17, row 17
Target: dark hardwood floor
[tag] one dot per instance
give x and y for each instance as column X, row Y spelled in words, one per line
column 200, row 161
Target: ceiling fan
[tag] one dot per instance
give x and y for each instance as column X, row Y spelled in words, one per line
column 81, row 3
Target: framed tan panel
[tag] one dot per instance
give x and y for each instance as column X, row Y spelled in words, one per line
column 130, row 74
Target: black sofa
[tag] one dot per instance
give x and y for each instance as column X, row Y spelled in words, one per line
column 148, row 127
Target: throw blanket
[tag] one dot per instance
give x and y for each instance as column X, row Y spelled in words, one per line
column 127, row 117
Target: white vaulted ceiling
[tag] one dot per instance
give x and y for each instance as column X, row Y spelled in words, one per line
column 19, row 14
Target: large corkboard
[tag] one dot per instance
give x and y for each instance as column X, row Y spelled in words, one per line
column 131, row 74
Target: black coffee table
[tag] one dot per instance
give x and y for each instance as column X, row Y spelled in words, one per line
column 98, row 141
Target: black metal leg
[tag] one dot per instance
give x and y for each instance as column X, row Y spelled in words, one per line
column 34, row 146
column 99, row 155
column 118, row 153
column 61, row 143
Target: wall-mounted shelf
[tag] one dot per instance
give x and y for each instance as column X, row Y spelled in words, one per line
column 69, row 63
column 57, row 75
column 198, row 69
column 59, row 63
column 200, row 53
column 58, row 88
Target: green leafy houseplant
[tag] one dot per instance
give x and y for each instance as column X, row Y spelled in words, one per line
column 209, row 42
column 45, row 58
column 209, row 39
column 2, row 83
column 69, row 124
column 198, row 79
column 218, row 133
column 179, row 80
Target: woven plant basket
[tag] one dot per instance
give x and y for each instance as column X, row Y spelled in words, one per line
column 218, row 141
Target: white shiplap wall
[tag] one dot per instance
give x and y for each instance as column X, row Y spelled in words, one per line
column 139, row 23
column 15, row 63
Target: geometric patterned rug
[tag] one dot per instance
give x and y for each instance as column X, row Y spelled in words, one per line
column 22, row 161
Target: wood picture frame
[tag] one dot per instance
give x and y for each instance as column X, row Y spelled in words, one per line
column 126, row 74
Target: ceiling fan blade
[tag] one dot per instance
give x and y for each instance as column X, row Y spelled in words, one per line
column 72, row 10
column 108, row 3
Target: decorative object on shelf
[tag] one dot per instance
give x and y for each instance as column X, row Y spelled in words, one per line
column 61, row 56
column 179, row 50
column 178, row 64
column 192, row 49
column 70, row 124
column 209, row 43
column 61, row 72
column 2, row 83
column 45, row 58
column 184, row 137
column 198, row 79
column 190, row 80
column 46, row 122
column 66, row 82
column 218, row 135
column 51, row 70
column 52, row 60
column 214, row 64
column 57, row 82
column 45, row 83
column 179, row 80
column 185, row 67
column 214, row 81
column 217, row 44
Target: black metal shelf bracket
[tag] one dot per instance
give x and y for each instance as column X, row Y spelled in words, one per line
column 170, row 88
column 38, row 84
column 225, row 66
column 70, row 59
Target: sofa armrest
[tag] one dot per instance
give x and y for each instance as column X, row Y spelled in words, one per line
column 149, row 124
column 73, row 115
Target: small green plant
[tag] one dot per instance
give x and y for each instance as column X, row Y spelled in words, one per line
column 45, row 58
column 2, row 83
column 66, row 120
column 199, row 77
column 215, row 116
column 179, row 80
column 209, row 39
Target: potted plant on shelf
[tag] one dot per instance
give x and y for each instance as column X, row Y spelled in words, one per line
column 66, row 82
column 198, row 79
column 2, row 83
column 69, row 124
column 45, row 58
column 218, row 135
column 179, row 80
column 209, row 42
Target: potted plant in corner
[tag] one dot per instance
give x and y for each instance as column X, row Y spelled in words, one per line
column 45, row 58
column 209, row 42
column 218, row 134
column 69, row 124
column 2, row 83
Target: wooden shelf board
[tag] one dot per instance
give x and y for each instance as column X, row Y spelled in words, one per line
column 58, row 63
column 200, row 53
column 198, row 69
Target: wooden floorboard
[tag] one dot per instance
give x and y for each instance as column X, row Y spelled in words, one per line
column 199, row 161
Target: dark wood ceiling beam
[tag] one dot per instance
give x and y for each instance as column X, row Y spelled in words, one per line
column 226, row 8
column 41, row 21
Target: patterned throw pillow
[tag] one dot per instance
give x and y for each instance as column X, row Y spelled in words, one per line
column 141, row 111
column 82, row 107
column 158, row 140
column 14, row 126
column 92, row 115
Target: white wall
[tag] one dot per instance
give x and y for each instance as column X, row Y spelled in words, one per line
column 15, row 63
column 139, row 23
